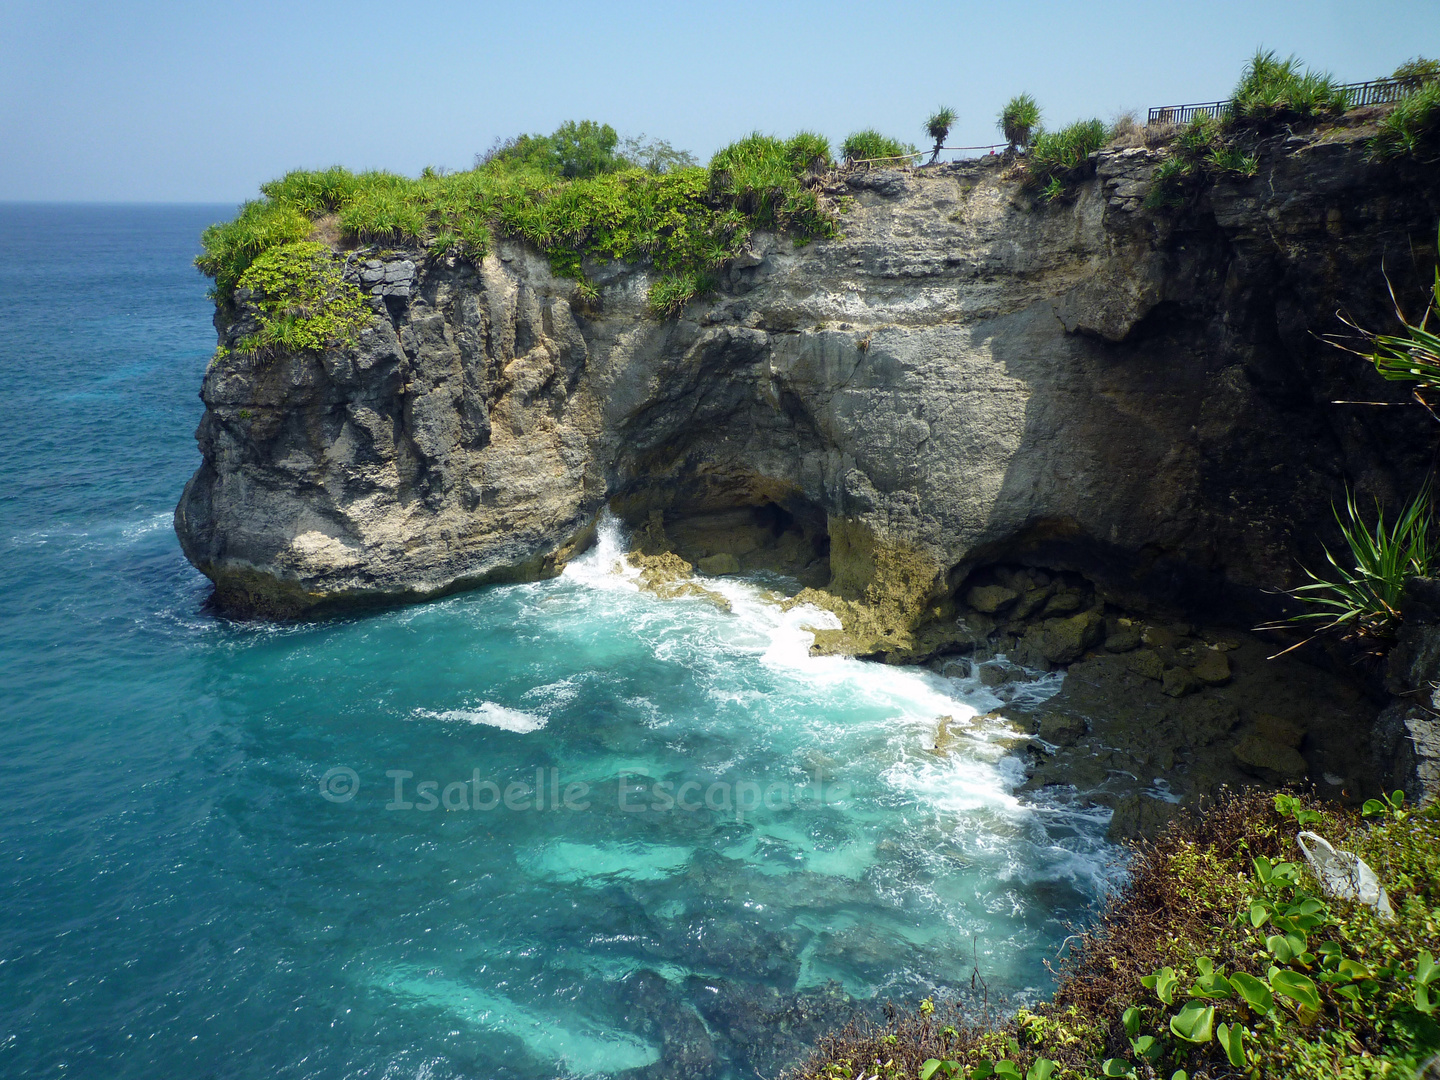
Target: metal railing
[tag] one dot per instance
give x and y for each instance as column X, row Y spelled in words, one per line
column 1374, row 92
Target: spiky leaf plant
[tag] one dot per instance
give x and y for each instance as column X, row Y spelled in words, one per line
column 1361, row 593
column 938, row 128
column 1019, row 120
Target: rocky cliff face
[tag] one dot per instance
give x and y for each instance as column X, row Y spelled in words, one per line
column 965, row 378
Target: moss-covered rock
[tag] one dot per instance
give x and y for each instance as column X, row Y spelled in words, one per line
column 1065, row 640
column 988, row 599
column 669, row 577
column 719, row 565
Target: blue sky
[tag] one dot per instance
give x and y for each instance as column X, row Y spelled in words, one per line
column 199, row 101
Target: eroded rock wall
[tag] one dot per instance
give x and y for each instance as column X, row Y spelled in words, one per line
column 966, row 377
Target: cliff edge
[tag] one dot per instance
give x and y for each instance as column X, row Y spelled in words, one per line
column 965, row 376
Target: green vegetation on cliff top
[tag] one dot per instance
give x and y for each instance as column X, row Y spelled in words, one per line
column 570, row 194
column 581, row 193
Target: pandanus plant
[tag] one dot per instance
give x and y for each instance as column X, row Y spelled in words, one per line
column 938, row 128
column 1413, row 355
column 1019, row 120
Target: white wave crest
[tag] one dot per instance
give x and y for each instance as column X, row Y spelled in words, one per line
column 490, row 714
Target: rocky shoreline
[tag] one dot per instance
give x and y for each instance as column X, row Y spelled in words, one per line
column 1152, row 717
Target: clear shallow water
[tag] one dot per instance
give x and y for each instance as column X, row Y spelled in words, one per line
column 205, row 868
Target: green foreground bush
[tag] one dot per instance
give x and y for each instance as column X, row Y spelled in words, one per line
column 1220, row 958
column 687, row 221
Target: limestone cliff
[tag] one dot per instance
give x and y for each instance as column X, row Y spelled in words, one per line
column 966, row 377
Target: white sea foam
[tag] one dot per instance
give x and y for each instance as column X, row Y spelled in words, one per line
column 554, row 695
column 488, row 713
column 981, row 772
column 604, row 566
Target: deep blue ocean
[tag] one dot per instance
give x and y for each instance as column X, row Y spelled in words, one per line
column 624, row 827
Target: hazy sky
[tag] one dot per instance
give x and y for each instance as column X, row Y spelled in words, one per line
column 199, row 101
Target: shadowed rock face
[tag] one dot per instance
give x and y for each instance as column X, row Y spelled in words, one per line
column 964, row 378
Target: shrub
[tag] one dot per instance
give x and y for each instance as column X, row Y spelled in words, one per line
column 304, row 303
column 535, row 151
column 1126, row 131
column 656, row 155
column 1417, row 72
column 870, row 145
column 1273, row 90
column 576, row 149
column 1018, row 120
column 1412, row 126
column 585, row 148
column 938, row 127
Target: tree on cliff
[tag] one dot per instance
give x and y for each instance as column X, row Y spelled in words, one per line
column 578, row 149
column 938, row 128
column 1018, row 120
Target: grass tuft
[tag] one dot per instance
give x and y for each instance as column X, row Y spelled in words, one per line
column 870, row 145
column 1272, row 91
column 1412, row 127
column 1054, row 155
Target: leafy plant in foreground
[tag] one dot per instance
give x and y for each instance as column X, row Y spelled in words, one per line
column 1218, row 915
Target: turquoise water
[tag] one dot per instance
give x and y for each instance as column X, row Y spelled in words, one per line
column 204, row 865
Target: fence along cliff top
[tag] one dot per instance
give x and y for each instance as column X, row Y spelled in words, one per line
column 1374, row 92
